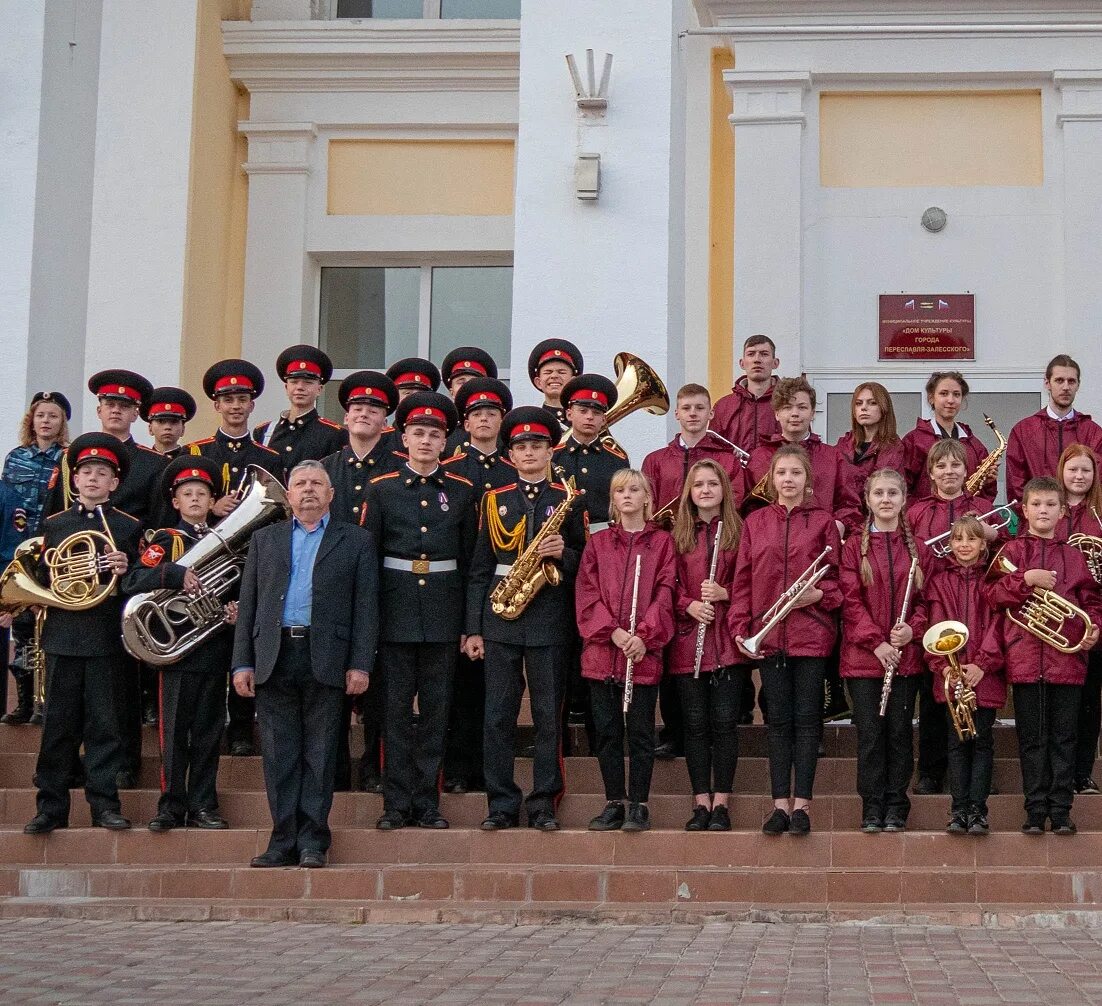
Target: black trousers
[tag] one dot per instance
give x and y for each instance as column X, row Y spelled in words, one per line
column 607, row 701
column 1047, row 717
column 83, row 695
column 242, row 716
column 463, row 751
column 129, row 715
column 414, row 753
column 1090, row 717
column 885, row 744
column 299, row 720
column 933, row 731
column 673, row 714
column 971, row 763
column 793, row 688
column 507, row 668
column 712, row 706
column 191, row 723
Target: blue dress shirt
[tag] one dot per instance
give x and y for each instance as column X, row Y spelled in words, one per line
column 304, row 550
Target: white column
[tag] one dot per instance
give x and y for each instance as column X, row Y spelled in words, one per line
column 768, row 120
column 1080, row 117
column 277, row 306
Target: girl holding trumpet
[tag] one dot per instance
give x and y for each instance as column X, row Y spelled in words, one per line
column 779, row 541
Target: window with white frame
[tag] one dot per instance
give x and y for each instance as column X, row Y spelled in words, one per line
column 495, row 10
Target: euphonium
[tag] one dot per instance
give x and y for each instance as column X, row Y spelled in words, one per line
column 990, row 464
column 531, row 572
column 1044, row 612
column 1091, row 547
column 944, row 639
column 163, row 626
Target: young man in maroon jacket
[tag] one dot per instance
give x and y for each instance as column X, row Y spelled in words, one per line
column 745, row 416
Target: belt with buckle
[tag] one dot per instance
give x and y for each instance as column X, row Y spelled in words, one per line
column 420, row 566
column 296, row 631
column 600, row 525
column 502, row 569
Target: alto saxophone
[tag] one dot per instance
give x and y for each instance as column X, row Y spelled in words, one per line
column 532, row 572
column 989, row 466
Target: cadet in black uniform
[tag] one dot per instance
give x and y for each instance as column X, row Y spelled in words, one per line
column 192, row 690
column 413, row 374
column 482, row 403
column 530, row 645
column 423, row 519
column 168, row 411
column 551, row 364
column 84, row 656
column 467, row 363
column 300, row 434
column 233, row 386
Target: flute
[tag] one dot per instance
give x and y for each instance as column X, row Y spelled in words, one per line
column 889, row 673
column 629, row 671
column 702, row 628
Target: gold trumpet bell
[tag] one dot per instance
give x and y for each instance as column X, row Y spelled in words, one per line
column 637, row 387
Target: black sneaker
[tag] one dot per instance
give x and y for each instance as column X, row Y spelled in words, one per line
column 638, row 817
column 800, row 823
column 928, row 785
column 610, row 819
column 432, row 818
column 958, row 824
column 701, row 819
column 894, row 823
column 872, row 825
column 498, row 821
column 667, row 751
column 776, row 823
column 543, row 820
column 978, row 825
column 1087, row 787
column 392, row 820
column 1034, row 826
column 721, row 819
column 1063, row 826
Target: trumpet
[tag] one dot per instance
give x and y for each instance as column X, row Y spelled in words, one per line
column 742, row 456
column 788, row 600
column 1044, row 613
column 989, row 466
column 945, row 639
column 939, row 544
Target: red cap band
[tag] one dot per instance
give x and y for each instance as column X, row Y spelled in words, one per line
column 429, row 412
column 119, row 391
column 537, row 428
column 230, row 384
column 585, row 396
column 469, row 365
column 484, row 398
column 357, row 393
column 190, row 475
column 98, row 454
column 555, row 354
column 167, row 409
column 296, row 368
column 412, row 378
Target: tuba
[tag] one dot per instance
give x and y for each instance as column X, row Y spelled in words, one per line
column 638, row 386
column 162, row 626
column 944, row 639
column 989, row 466
column 1091, row 547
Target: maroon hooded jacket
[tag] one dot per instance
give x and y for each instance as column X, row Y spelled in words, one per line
column 1028, row 659
column 667, row 467
column 871, row 610
column 744, row 419
column 873, row 457
column 776, row 546
column 832, row 476
column 692, row 570
column 602, row 599
column 918, row 443
column 933, row 515
column 956, row 592
column 1078, row 519
column 1036, row 443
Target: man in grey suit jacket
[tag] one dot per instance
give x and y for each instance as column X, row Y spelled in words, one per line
column 299, row 657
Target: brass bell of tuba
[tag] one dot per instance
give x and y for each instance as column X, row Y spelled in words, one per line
column 945, row 639
column 638, row 386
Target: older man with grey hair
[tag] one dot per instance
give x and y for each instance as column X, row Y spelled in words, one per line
column 300, row 658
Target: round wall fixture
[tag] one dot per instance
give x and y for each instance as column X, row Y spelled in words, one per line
column 934, row 219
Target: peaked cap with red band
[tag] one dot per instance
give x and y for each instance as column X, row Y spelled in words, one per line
column 304, row 361
column 169, row 403
column 530, row 422
column 482, row 393
column 121, row 384
column 413, row 372
column 101, row 447
column 368, row 386
column 429, row 408
column 554, row 349
column 467, row 360
column 233, row 377
column 589, row 389
column 190, row 468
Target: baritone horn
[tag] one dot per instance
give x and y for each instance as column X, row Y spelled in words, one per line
column 945, row 639
column 638, row 386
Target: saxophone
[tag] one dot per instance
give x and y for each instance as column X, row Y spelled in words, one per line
column 531, row 572
column 989, row 466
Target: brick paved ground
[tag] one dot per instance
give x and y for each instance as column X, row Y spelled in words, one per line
column 79, row 962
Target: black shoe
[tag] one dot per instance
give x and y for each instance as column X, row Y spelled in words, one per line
column 271, row 859
column 19, row 716
column 165, row 821
column 700, row 820
column 498, row 821
column 543, row 820
column 37, row 719
column 125, row 780
column 610, row 819
column 242, row 749
column 432, row 818
column 1087, row 787
column 1063, row 826
column 207, row 819
column 893, row 822
column 1034, row 826
column 958, row 824
column 311, row 859
column 800, row 822
column 977, row 825
column 776, row 823
column 149, row 714
column 721, row 819
column 43, row 824
column 928, row 785
column 872, row 825
column 392, row 820
column 455, row 786
column 110, row 820
column 638, row 817
column 576, row 718
column 667, row 750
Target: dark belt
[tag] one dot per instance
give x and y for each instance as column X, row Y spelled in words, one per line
column 296, row 631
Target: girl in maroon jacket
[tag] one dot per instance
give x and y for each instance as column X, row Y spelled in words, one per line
column 872, row 442
column 946, row 393
column 955, row 592
column 875, row 569
column 778, row 543
column 603, row 599
column 1046, row 682
column 711, row 702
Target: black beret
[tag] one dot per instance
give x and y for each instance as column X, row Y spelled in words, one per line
column 554, row 349
column 232, row 377
column 55, row 398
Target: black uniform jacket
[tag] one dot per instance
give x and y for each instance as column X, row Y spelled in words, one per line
column 592, row 467
column 344, row 625
column 351, row 477
column 96, row 632
column 308, row 438
column 423, row 519
column 139, row 494
column 234, row 454
column 549, row 618
column 486, row 471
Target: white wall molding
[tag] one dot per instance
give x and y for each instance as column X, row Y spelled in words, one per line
column 1080, row 94
column 770, row 97
column 278, row 148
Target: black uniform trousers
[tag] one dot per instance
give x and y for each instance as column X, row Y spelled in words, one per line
column 607, row 702
column 190, row 732
column 1047, row 717
column 414, row 752
column 1090, row 718
column 885, row 744
column 933, row 732
column 129, row 715
column 971, row 764
column 793, row 687
column 242, row 716
column 463, row 752
column 372, row 708
column 712, row 706
column 299, row 720
column 82, row 700
column 507, row 667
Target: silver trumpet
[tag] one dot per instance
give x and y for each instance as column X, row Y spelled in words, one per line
column 788, row 600
column 743, row 456
column 939, row 544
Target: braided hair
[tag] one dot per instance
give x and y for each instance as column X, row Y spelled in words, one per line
column 867, row 575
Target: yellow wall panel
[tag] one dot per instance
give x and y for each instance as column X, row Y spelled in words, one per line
column 928, row 138
column 721, row 237
column 421, row 177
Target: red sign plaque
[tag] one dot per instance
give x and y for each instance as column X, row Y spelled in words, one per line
column 927, row 326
